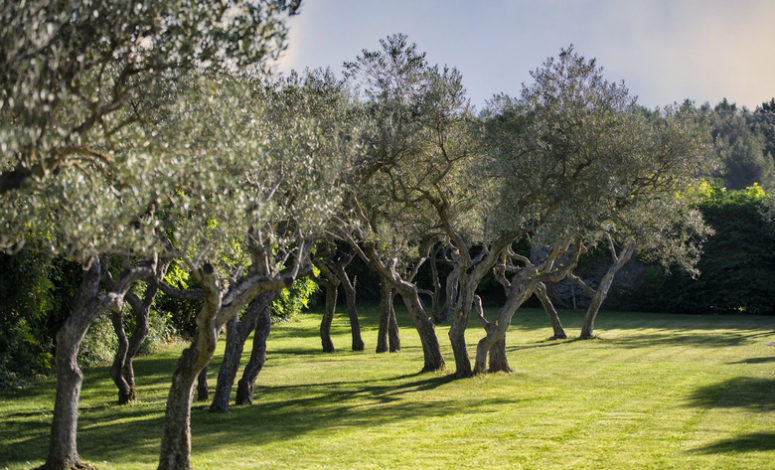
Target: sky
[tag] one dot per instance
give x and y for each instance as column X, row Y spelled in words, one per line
column 665, row 51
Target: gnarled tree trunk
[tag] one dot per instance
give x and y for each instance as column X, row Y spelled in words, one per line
column 387, row 334
column 331, row 290
column 394, row 340
column 433, row 360
column 87, row 304
column 125, row 391
column 257, row 356
column 237, row 333
column 352, row 308
column 597, row 297
column 551, row 312
column 450, row 294
column 122, row 371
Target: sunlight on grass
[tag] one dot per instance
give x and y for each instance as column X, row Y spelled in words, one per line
column 654, row 391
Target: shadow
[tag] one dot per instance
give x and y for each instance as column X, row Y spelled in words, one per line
column 115, row 433
column 758, row 441
column 671, row 339
column 739, row 392
column 755, row 360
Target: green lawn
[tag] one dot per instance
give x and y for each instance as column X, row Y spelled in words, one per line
column 656, row 391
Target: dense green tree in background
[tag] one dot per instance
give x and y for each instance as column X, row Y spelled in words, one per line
column 737, row 267
column 744, row 144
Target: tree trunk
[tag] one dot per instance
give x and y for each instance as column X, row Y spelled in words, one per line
column 433, row 360
column 328, row 317
column 87, row 304
column 393, row 338
column 142, row 312
column 228, row 370
column 457, row 331
column 176, row 440
column 125, row 391
column 257, row 356
column 551, row 312
column 498, row 361
column 202, row 388
column 588, row 328
column 63, row 450
column 387, row 335
column 435, row 304
column 352, row 309
column 519, row 292
column 385, row 307
column 450, row 297
column 237, row 333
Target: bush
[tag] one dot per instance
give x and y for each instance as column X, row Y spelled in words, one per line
column 737, row 268
column 26, row 347
column 291, row 301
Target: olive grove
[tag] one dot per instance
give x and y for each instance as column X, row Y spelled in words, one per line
column 136, row 135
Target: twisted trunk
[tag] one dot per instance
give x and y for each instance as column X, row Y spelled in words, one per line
column 219, row 307
column 551, row 312
column 436, row 310
column 598, row 296
column 202, row 389
column 432, row 357
column 518, row 290
column 125, row 391
column 385, row 307
column 328, row 316
column 387, row 335
column 394, row 340
column 352, row 309
column 63, row 451
column 257, row 356
column 498, row 361
column 122, row 371
column 176, row 441
column 450, row 295
column 87, row 304
column 237, row 333
column 495, row 340
column 457, row 331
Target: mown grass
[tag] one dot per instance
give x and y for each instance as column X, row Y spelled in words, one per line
column 654, row 391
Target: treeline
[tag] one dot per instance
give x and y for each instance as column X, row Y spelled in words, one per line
column 148, row 144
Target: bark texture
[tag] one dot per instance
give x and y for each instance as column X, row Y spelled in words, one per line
column 257, row 356
column 122, row 371
column 387, row 334
column 218, row 307
column 237, row 332
column 352, row 308
column 87, row 305
column 551, row 312
column 598, row 296
column 328, row 317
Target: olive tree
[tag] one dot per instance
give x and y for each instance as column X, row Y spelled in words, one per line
column 83, row 87
column 571, row 154
column 265, row 183
column 77, row 77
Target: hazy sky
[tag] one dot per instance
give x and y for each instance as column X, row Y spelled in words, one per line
column 664, row 50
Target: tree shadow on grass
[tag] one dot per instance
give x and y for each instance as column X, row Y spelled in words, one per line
column 739, row 392
column 758, row 441
column 754, row 360
column 671, row 339
column 121, row 434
